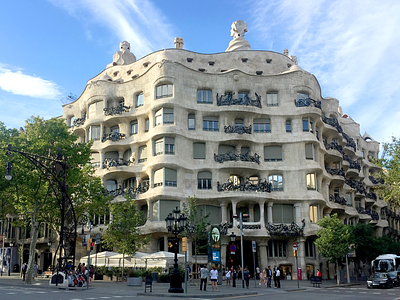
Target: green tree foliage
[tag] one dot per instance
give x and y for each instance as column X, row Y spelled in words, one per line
column 32, row 192
column 333, row 240
column 123, row 234
column 390, row 173
column 196, row 225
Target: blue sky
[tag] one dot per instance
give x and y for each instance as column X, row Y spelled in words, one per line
column 51, row 48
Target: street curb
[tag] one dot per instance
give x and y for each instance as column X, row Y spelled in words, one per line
column 205, row 295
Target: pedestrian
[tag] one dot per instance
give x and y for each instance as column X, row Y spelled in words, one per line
column 35, row 271
column 265, row 275
column 214, row 278
column 260, row 274
column 233, row 276
column 278, row 277
column 246, row 276
column 24, row 267
column 269, row 276
column 91, row 273
column 189, row 272
column 203, row 277
column 274, row 276
column 318, row 273
column 257, row 272
column 239, row 272
column 228, row 277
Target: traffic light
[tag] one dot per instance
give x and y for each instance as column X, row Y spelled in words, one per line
column 90, row 245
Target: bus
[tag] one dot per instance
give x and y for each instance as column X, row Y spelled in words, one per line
column 386, row 263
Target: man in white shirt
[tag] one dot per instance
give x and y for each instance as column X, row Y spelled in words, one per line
column 203, row 277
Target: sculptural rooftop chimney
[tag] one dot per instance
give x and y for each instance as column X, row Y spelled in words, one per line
column 238, row 29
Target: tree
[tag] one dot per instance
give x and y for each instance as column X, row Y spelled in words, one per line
column 123, row 234
column 32, row 192
column 196, row 225
column 333, row 240
column 390, row 173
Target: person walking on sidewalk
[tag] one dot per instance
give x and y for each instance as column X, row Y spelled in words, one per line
column 214, row 278
column 278, row 278
column 269, row 276
column 246, row 276
column 228, row 277
column 203, row 277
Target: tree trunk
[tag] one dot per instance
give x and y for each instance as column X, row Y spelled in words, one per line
column 32, row 249
column 123, row 266
column 337, row 273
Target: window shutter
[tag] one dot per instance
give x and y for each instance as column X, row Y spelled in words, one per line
column 199, row 150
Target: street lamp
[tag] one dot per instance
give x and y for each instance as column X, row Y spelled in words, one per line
column 240, row 217
column 175, row 223
column 10, row 258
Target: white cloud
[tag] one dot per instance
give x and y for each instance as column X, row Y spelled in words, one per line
column 139, row 22
column 350, row 47
column 17, row 83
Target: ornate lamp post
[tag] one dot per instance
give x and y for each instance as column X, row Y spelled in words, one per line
column 175, row 223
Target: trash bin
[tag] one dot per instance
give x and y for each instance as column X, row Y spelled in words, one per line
column 155, row 276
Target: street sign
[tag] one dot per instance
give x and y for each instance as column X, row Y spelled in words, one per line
column 253, row 245
column 232, row 248
column 184, row 244
column 98, row 237
column 294, row 246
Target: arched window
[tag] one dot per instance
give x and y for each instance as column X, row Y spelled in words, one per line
column 204, row 180
column 276, row 182
column 164, row 91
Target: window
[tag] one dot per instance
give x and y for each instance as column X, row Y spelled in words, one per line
column 164, row 91
column 146, row 125
column 71, row 121
column 238, row 123
column 272, row 99
column 204, row 96
column 165, row 145
column 311, row 181
column 168, row 115
column 95, row 109
column 223, row 149
column 165, row 176
column 139, row 100
column 310, row 154
column 310, row 248
column 349, row 200
column 142, row 154
column 199, row 150
column 111, row 185
column 243, row 95
column 114, row 129
column 314, row 213
column 276, row 183
column 95, row 159
column 161, row 208
column 277, row 248
column 282, row 213
column 164, row 116
column 204, row 180
column 134, row 127
column 191, row 122
column 95, row 132
column 273, row 153
column 302, row 96
column 210, row 124
column 262, row 125
column 234, row 179
column 128, row 156
column 288, row 126
column 308, row 124
column 129, row 183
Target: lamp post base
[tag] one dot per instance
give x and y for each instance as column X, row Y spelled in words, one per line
column 176, row 282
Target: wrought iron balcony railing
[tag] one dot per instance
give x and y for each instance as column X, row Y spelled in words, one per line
column 307, row 102
column 349, row 141
column 245, row 186
column 132, row 192
column 116, row 110
column 237, row 129
column 371, row 195
column 333, row 122
column 227, row 99
column 285, row 229
column 80, row 121
column 358, row 185
column 230, row 156
column 115, row 162
column 375, row 180
column 339, row 172
column 337, row 199
column 114, row 136
column 334, row 145
column 353, row 163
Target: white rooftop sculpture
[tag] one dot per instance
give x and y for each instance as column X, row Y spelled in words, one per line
column 238, row 29
column 123, row 57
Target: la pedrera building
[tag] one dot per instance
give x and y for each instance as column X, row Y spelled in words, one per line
column 242, row 130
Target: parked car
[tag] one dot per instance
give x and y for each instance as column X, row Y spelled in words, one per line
column 380, row 280
column 395, row 275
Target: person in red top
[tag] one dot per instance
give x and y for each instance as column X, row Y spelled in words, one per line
column 318, row 273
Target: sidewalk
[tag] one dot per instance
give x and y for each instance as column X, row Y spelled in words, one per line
column 161, row 289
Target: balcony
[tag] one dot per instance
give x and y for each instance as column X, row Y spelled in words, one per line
column 245, row 186
column 376, row 181
column 238, row 129
column 130, row 191
column 230, row 156
column 246, row 100
column 116, row 110
column 285, row 229
column 338, row 172
column 113, row 136
column 115, row 162
column 353, row 164
column 338, row 199
column 307, row 102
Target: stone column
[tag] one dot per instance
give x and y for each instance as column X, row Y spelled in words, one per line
column 269, row 212
column 165, row 243
column 302, row 257
column 224, row 245
column 297, row 213
column 251, row 212
column 224, row 213
column 235, row 222
column 263, row 257
column 102, row 154
column 262, row 219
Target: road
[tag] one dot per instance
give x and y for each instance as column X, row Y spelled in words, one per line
column 10, row 292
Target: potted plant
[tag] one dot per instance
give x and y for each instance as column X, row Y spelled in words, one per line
column 135, row 278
